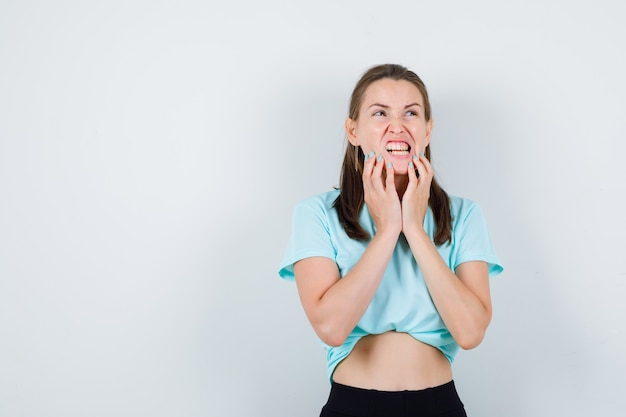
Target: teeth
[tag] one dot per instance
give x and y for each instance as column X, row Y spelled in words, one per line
column 397, row 146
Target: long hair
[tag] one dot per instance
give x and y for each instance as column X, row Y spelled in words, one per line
column 350, row 201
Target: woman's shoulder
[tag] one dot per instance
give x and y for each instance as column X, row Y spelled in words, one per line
column 460, row 203
column 317, row 210
column 323, row 201
column 461, row 207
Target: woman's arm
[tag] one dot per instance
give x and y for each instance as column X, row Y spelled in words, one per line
column 463, row 298
column 334, row 306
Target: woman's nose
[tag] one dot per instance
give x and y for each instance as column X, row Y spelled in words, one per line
column 396, row 125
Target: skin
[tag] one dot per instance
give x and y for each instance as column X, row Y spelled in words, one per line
column 397, row 200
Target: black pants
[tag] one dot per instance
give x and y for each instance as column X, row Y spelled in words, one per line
column 441, row 401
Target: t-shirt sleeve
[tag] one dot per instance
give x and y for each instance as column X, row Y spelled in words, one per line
column 310, row 236
column 474, row 242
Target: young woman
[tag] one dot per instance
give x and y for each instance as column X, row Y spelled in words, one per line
column 392, row 272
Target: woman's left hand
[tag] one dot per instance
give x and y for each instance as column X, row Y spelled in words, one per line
column 415, row 199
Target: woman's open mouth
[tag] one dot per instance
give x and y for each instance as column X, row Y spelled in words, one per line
column 398, row 148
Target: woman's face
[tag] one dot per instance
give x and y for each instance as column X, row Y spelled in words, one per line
column 391, row 123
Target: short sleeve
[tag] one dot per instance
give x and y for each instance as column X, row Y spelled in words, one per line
column 310, row 236
column 473, row 241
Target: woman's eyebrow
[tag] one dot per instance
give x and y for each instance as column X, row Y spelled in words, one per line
column 384, row 106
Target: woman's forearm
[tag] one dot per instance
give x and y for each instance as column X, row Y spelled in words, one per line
column 466, row 311
column 335, row 310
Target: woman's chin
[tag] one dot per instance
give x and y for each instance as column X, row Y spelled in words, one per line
column 400, row 169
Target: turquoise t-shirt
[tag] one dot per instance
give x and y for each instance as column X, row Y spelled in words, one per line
column 402, row 302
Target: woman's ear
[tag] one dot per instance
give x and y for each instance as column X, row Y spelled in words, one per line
column 429, row 130
column 350, row 127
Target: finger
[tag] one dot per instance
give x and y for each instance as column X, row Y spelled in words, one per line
column 427, row 165
column 421, row 170
column 377, row 173
column 390, row 184
column 368, row 164
column 368, row 167
column 423, row 166
column 412, row 174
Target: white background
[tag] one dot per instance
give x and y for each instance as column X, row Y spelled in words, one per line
column 151, row 153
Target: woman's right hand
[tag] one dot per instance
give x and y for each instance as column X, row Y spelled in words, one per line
column 381, row 196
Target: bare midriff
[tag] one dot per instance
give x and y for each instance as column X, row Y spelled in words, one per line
column 393, row 361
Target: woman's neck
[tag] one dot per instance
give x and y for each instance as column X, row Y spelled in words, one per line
column 402, row 181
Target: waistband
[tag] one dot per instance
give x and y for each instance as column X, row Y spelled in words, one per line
column 368, row 402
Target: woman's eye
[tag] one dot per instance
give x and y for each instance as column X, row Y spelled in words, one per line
column 411, row 113
column 379, row 113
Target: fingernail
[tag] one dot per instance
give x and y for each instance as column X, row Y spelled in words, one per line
column 410, row 164
column 371, row 154
column 421, row 153
column 416, row 157
column 366, row 157
column 380, row 158
column 389, row 165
